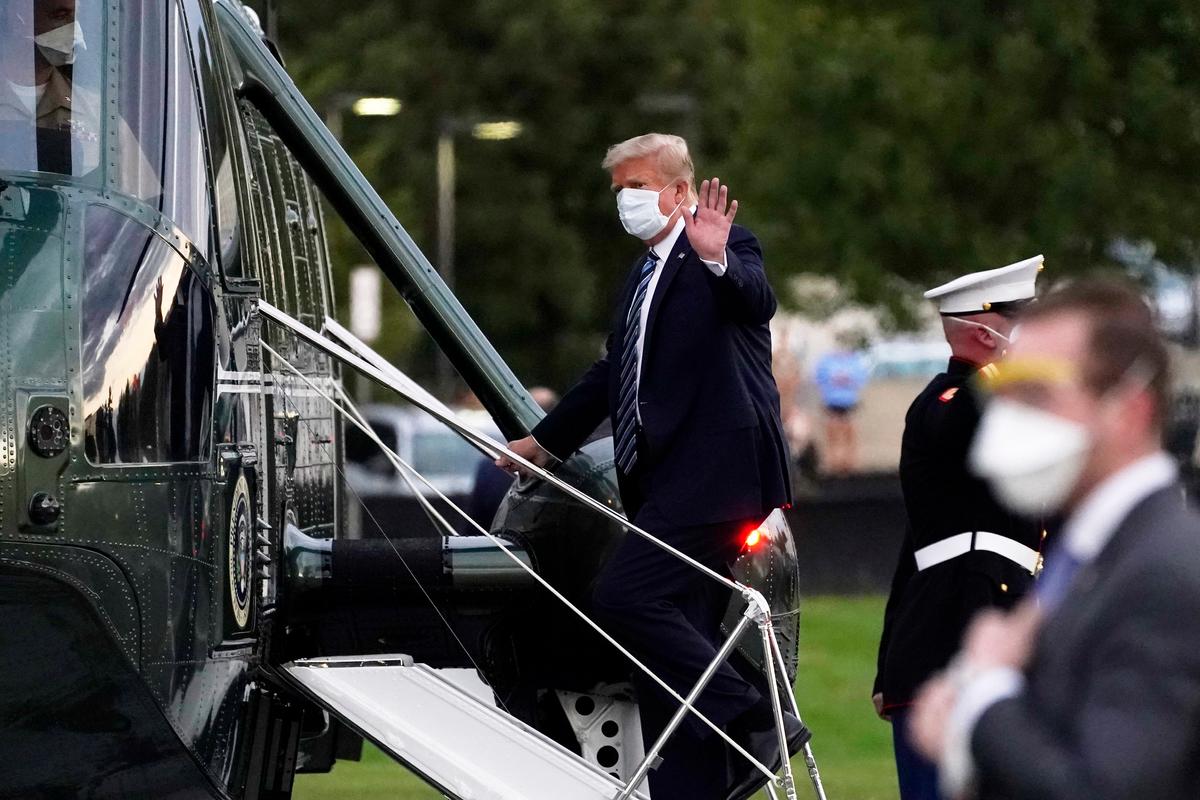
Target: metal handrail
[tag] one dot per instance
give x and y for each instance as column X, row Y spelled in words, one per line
column 533, row 573
column 757, row 609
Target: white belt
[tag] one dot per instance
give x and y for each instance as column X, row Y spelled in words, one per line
column 962, row 543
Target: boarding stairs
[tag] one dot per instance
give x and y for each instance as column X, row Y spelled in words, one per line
column 456, row 739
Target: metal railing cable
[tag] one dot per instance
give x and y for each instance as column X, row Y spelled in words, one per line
column 757, row 607
column 544, row 583
column 435, row 516
column 361, row 349
column 379, row 526
column 484, row 443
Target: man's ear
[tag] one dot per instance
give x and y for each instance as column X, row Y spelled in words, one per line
column 1143, row 404
column 984, row 337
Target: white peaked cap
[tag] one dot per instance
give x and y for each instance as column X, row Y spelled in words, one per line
column 979, row 291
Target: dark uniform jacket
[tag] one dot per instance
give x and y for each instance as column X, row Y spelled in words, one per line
column 712, row 447
column 928, row 611
column 1111, row 706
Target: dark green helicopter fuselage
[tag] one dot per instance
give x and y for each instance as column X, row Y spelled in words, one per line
column 143, row 466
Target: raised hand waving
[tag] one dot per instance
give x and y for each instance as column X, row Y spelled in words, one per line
column 708, row 232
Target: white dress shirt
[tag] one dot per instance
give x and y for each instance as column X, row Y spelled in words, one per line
column 663, row 251
column 1085, row 533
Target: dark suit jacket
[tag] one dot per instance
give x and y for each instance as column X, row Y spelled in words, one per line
column 928, row 612
column 713, row 447
column 1111, row 709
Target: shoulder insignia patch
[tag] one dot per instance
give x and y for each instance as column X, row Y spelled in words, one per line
column 948, row 395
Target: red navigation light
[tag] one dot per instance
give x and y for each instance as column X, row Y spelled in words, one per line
column 754, row 538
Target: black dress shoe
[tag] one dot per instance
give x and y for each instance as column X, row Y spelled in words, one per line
column 744, row 778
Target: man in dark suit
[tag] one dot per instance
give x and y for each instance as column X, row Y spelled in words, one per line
column 1091, row 690
column 962, row 551
column 699, row 449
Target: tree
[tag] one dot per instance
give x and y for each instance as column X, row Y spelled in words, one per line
column 922, row 139
column 887, row 145
column 539, row 251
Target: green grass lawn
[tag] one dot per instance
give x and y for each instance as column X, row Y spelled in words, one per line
column 837, row 663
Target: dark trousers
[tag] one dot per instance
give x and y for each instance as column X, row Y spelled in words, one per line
column 668, row 614
column 918, row 777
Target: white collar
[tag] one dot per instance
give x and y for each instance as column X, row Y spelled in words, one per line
column 663, row 249
column 1096, row 519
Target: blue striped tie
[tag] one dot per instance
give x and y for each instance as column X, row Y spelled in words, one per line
column 625, row 438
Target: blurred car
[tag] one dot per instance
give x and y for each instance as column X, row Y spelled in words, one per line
column 908, row 357
column 446, row 460
column 1171, row 289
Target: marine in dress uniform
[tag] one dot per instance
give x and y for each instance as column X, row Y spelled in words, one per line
column 962, row 550
column 1093, row 691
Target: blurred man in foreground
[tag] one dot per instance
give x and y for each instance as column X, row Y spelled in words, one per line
column 686, row 381
column 1091, row 689
column 962, row 551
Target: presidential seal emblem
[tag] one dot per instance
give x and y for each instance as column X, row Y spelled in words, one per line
column 241, row 557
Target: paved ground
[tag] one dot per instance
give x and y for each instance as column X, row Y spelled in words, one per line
column 881, row 421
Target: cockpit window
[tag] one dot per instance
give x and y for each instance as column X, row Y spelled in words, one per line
column 161, row 153
column 51, row 98
column 120, row 111
column 148, row 347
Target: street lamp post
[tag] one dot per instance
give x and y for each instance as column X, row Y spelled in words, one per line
column 497, row 130
column 446, row 180
column 358, row 104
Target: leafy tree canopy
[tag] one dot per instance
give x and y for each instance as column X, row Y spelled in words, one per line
column 890, row 145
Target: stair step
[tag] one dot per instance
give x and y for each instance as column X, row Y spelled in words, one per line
column 467, row 748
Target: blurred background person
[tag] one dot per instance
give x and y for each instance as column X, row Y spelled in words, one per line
column 794, row 407
column 1090, row 689
column 840, row 376
column 962, row 550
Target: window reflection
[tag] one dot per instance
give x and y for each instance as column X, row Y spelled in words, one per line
column 162, row 161
column 51, row 105
column 55, row 116
column 148, row 348
column 220, row 152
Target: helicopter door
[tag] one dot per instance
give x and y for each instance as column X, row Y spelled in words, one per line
column 461, row 744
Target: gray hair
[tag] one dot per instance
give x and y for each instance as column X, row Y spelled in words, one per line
column 674, row 161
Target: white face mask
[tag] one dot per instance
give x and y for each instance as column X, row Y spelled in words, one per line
column 60, row 45
column 638, row 210
column 1031, row 458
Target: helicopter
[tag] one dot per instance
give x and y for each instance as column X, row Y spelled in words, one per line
column 186, row 614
